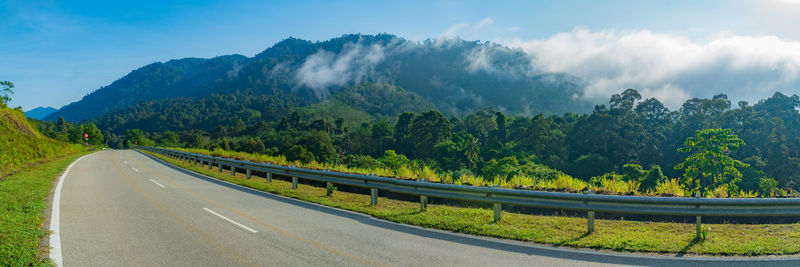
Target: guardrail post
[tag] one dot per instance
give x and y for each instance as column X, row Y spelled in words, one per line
column 210, row 165
column 220, row 167
column 423, row 202
column 269, row 177
column 249, row 173
column 294, row 182
column 589, row 216
column 233, row 171
column 698, row 220
column 328, row 188
column 498, row 211
column 373, row 193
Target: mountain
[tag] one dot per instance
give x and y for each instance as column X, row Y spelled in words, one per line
column 40, row 112
column 355, row 104
column 457, row 76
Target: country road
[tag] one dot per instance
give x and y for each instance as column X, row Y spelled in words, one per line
column 121, row 207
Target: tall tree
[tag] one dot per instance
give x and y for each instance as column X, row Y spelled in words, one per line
column 6, row 92
column 428, row 130
column 709, row 164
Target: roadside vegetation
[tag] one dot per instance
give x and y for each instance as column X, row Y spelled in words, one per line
column 29, row 162
column 23, row 200
column 22, row 144
column 710, row 171
column 555, row 230
column 630, row 146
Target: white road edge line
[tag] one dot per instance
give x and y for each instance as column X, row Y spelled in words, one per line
column 134, row 169
column 55, row 215
column 154, row 181
column 231, row 221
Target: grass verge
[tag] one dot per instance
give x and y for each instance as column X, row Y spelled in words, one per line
column 628, row 236
column 23, row 199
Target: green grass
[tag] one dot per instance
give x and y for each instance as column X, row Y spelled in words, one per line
column 629, row 236
column 22, row 144
column 23, row 197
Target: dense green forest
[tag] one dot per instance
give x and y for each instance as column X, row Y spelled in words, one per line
column 458, row 77
column 629, row 138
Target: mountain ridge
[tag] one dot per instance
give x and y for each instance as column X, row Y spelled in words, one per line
column 40, row 112
column 457, row 76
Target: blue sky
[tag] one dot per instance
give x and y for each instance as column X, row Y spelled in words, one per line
column 58, row 51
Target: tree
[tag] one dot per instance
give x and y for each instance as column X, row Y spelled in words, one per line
column 170, row 139
column 95, row 136
column 625, row 101
column 504, row 168
column 6, row 92
column 299, row 153
column 136, row 137
column 253, row 145
column 428, row 130
column 402, row 132
column 709, row 164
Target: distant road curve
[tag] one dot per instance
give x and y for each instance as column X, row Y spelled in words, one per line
column 120, row 207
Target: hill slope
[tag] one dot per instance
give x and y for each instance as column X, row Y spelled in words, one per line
column 457, row 76
column 355, row 104
column 23, row 144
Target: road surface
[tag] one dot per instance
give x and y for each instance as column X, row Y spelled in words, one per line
column 121, row 207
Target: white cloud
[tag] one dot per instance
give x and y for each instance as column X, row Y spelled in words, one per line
column 452, row 32
column 485, row 22
column 324, row 69
column 458, row 29
column 668, row 67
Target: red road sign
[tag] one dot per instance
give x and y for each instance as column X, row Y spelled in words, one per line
column 85, row 135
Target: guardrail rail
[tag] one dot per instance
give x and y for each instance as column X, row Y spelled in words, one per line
column 588, row 202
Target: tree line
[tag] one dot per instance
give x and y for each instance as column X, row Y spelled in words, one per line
column 630, row 137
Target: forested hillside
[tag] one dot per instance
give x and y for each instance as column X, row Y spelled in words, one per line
column 631, row 140
column 457, row 76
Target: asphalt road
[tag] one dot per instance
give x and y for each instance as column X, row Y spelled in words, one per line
column 126, row 208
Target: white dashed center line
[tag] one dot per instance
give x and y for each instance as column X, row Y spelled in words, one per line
column 231, row 221
column 154, row 181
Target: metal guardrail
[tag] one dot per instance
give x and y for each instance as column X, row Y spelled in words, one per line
column 591, row 203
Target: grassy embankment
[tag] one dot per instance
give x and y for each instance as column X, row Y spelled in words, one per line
column 651, row 237
column 29, row 163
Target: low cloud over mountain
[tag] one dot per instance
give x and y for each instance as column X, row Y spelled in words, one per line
column 669, row 67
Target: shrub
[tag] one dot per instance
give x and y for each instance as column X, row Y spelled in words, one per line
column 428, row 174
column 718, row 192
column 299, row 153
column 564, row 182
column 504, row 168
column 748, row 194
column 470, row 179
column 363, row 162
column 653, row 177
column 394, row 161
column 768, row 187
column 671, row 187
column 539, row 171
column 519, row 180
column 633, row 172
column 614, row 184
